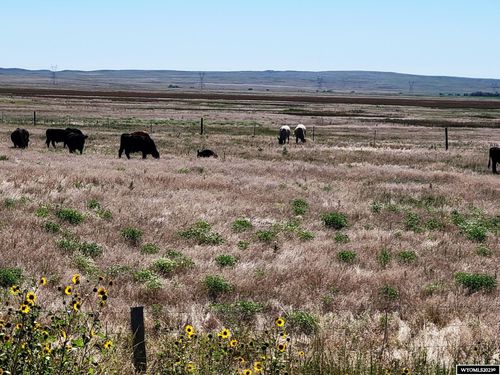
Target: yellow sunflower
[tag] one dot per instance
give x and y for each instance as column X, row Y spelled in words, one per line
column 189, row 330
column 280, row 322
column 281, row 347
column 30, row 298
column 233, row 343
column 102, row 293
column 14, row 290
column 77, row 305
column 240, row 360
column 76, row 279
column 190, row 367
column 24, row 308
column 108, row 344
column 301, row 353
column 68, row 290
column 225, row 333
column 47, row 349
column 42, row 281
column 247, row 371
column 257, row 366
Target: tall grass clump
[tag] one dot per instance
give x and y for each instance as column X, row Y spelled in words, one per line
column 70, row 215
column 216, row 285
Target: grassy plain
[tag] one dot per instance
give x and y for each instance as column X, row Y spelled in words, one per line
column 386, row 283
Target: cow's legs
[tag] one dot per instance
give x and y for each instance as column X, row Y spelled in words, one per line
column 144, row 155
column 127, row 154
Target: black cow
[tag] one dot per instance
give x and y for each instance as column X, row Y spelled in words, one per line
column 20, row 138
column 494, row 158
column 137, row 143
column 300, row 133
column 206, row 153
column 59, row 135
column 284, row 135
column 75, row 141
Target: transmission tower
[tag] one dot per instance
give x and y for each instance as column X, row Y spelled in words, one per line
column 411, row 84
column 202, row 79
column 53, row 69
column 319, row 83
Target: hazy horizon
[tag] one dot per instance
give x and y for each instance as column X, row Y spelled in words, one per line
column 452, row 38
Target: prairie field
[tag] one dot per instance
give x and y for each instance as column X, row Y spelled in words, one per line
column 372, row 236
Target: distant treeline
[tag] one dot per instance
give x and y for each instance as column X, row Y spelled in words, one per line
column 475, row 93
column 483, row 93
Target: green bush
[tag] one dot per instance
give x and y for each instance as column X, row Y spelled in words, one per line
column 90, row 249
column 346, row 256
column 266, row 235
column 407, row 256
column 484, row 251
column 149, row 248
column 164, row 266
column 93, row 204
column 384, row 257
column 241, row 225
column 299, row 206
column 376, row 207
column 105, row 214
column 202, row 233
column 243, row 245
column 303, row 322
column 148, row 278
column 341, row 238
column 412, row 222
column 475, row 231
column 132, row 235
column 475, row 282
column 237, row 312
column 305, row 235
column 42, row 211
column 216, row 285
column 10, row 276
column 70, row 215
column 225, row 260
column 335, row 220
column 86, row 265
column 4, row 157
column 389, row 292
column 51, row 227
column 9, row 203
column 68, row 243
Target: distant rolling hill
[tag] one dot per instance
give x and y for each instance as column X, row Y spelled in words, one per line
column 352, row 82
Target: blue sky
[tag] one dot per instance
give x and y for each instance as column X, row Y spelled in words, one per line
column 434, row 37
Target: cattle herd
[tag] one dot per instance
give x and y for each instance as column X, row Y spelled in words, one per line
column 140, row 141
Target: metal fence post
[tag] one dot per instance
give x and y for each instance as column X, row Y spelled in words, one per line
column 139, row 341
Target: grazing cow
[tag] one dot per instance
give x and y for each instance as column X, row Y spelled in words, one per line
column 284, row 135
column 141, row 133
column 75, row 142
column 206, row 153
column 20, row 138
column 59, row 135
column 494, row 158
column 137, row 143
column 300, row 133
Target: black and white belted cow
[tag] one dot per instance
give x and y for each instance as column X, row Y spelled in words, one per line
column 300, row 133
column 284, row 135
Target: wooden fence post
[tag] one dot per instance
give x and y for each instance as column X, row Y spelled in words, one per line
column 254, row 129
column 446, row 138
column 313, row 133
column 139, row 343
column 34, row 117
column 201, row 126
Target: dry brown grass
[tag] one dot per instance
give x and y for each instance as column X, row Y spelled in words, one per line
column 343, row 170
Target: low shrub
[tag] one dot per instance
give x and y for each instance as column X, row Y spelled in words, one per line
column 346, row 256
column 241, row 225
column 70, row 215
column 132, row 235
column 335, row 220
column 202, row 233
column 10, row 276
column 216, row 285
column 299, row 206
column 475, row 282
column 225, row 260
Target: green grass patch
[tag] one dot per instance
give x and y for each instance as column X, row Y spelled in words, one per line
column 202, row 233
column 475, row 282
column 335, row 220
column 241, row 225
column 70, row 215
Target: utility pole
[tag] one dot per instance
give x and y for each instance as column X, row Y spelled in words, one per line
column 411, row 85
